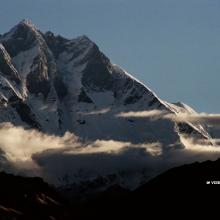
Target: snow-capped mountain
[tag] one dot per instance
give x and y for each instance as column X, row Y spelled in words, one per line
column 56, row 85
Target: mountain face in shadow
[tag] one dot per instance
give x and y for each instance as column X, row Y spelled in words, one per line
column 187, row 185
column 32, row 198
column 27, row 198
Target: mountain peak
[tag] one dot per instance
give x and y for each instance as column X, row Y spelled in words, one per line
column 21, row 37
column 84, row 38
column 80, row 39
column 25, row 24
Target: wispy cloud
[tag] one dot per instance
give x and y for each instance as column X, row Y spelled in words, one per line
column 115, row 147
column 154, row 114
column 209, row 119
column 97, row 112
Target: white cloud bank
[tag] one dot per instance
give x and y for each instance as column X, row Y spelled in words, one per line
column 31, row 152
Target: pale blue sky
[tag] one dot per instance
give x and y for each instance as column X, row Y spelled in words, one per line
column 173, row 46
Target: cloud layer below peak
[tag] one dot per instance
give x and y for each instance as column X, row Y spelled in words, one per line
column 64, row 160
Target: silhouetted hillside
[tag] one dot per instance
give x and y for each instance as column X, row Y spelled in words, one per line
column 32, row 198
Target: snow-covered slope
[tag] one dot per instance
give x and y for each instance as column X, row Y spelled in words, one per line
column 57, row 85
